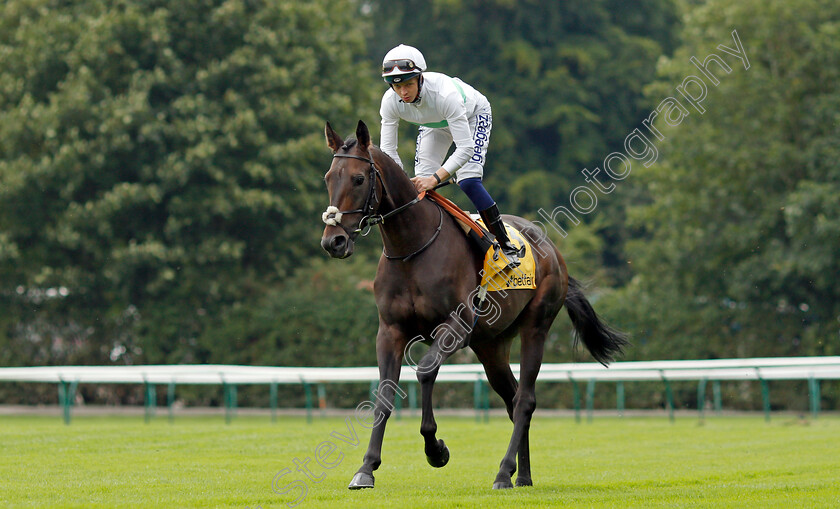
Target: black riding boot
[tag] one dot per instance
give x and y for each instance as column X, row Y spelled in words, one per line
column 494, row 223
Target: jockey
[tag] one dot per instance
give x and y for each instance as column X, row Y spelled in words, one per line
column 447, row 110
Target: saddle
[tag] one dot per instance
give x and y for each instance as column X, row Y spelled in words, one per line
column 482, row 239
column 496, row 275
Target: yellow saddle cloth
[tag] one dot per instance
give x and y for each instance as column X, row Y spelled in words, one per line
column 497, row 276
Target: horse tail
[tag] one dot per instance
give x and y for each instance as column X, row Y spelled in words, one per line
column 602, row 341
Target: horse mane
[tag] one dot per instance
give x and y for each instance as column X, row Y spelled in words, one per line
column 387, row 161
column 393, row 173
column 398, row 180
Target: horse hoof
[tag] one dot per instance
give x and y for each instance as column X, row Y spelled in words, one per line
column 522, row 481
column 361, row 480
column 502, row 485
column 441, row 456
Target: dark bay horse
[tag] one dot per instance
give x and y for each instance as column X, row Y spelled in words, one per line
column 425, row 289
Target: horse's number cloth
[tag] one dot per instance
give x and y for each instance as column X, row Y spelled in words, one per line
column 496, row 276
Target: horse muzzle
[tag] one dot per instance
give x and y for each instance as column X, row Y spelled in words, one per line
column 338, row 245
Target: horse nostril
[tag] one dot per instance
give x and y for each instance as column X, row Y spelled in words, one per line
column 339, row 242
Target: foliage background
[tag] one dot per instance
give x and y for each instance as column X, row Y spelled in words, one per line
column 161, row 175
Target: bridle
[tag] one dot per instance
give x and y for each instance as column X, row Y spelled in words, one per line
column 332, row 216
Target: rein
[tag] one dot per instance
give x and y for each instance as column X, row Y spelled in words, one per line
column 332, row 216
column 427, row 244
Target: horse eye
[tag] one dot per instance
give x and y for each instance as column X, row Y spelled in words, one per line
column 358, row 180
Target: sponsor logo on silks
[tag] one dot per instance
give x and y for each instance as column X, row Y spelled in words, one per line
column 482, row 130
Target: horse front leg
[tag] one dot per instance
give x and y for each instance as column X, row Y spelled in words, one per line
column 449, row 337
column 389, row 352
column 524, row 476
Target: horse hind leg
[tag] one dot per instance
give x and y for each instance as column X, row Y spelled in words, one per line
column 524, row 404
column 496, row 363
column 504, row 383
column 495, row 359
column 536, row 321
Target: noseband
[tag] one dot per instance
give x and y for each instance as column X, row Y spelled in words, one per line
column 332, row 216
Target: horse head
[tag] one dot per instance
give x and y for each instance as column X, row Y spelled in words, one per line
column 355, row 195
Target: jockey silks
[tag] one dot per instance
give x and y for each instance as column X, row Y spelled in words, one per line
column 448, row 110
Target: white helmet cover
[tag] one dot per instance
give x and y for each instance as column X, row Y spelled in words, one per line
column 403, row 52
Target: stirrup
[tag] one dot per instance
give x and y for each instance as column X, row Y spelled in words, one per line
column 511, row 255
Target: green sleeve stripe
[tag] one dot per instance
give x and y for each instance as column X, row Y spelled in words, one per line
column 460, row 90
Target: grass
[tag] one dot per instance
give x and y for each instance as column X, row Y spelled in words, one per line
column 118, row 461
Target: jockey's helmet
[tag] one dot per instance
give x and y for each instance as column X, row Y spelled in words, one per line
column 402, row 63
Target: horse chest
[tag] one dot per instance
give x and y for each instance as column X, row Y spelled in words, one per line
column 413, row 303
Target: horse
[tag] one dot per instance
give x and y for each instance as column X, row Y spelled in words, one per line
column 425, row 290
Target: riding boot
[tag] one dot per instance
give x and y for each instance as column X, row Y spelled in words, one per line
column 494, row 223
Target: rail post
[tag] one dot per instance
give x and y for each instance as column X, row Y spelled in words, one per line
column 477, row 399
column 669, row 396
column 412, row 398
column 814, row 396
column 398, row 405
column 575, row 397
column 66, row 398
column 765, row 395
column 170, row 401
column 322, row 399
column 307, row 391
column 272, row 400
column 150, row 400
column 701, row 398
column 717, row 399
column 619, row 398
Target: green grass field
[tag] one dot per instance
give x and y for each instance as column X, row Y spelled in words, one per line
column 611, row 462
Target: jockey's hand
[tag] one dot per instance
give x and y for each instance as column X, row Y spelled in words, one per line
column 424, row 183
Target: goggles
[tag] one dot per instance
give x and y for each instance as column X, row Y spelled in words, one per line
column 404, row 65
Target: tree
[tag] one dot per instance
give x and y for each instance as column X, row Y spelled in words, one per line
column 160, row 163
column 741, row 217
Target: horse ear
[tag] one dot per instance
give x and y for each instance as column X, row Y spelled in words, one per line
column 363, row 135
column 334, row 141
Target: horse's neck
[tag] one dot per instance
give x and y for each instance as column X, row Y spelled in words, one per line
column 400, row 188
column 410, row 225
